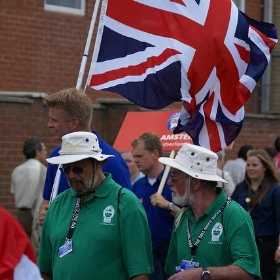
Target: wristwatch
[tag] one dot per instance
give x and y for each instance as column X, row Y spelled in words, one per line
column 205, row 274
column 171, row 206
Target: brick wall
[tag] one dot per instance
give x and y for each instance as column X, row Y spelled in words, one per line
column 275, row 65
column 40, row 50
column 21, row 118
column 254, row 9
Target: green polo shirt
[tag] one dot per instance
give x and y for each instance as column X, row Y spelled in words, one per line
column 106, row 240
column 228, row 240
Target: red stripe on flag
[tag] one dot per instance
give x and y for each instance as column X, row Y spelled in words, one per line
column 135, row 70
column 213, row 133
column 244, row 54
column 268, row 41
column 243, row 92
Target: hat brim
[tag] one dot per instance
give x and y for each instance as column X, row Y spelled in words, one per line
column 64, row 159
column 177, row 165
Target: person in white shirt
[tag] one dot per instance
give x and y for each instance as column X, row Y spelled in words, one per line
column 229, row 187
column 27, row 181
column 237, row 167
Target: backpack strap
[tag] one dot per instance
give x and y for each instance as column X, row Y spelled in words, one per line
column 119, row 197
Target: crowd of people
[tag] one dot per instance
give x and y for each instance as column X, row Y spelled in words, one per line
column 98, row 213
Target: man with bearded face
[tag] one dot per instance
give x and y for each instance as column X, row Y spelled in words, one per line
column 212, row 234
column 89, row 229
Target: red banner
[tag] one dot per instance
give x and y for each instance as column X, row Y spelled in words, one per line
column 160, row 122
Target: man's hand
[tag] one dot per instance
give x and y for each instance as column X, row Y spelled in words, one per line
column 232, row 272
column 277, row 256
column 159, row 201
column 43, row 211
column 192, row 274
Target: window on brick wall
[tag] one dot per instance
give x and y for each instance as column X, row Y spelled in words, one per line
column 76, row 7
column 240, row 4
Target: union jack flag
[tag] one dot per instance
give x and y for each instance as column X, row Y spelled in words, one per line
column 206, row 53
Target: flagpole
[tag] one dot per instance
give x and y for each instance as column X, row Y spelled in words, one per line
column 164, row 176
column 55, row 184
column 87, row 46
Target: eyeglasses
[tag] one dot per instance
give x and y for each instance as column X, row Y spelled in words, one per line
column 68, row 169
column 174, row 178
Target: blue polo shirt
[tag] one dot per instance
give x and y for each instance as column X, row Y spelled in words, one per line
column 114, row 165
column 160, row 220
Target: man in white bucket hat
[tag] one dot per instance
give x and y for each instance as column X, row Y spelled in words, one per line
column 88, row 229
column 213, row 237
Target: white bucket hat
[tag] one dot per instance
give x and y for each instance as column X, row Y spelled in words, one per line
column 196, row 161
column 77, row 146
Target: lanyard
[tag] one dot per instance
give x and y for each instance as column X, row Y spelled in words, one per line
column 74, row 219
column 76, row 213
column 194, row 246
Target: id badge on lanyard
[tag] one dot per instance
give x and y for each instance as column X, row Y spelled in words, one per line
column 67, row 247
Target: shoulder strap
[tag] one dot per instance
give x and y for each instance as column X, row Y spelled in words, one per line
column 179, row 217
column 119, row 196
